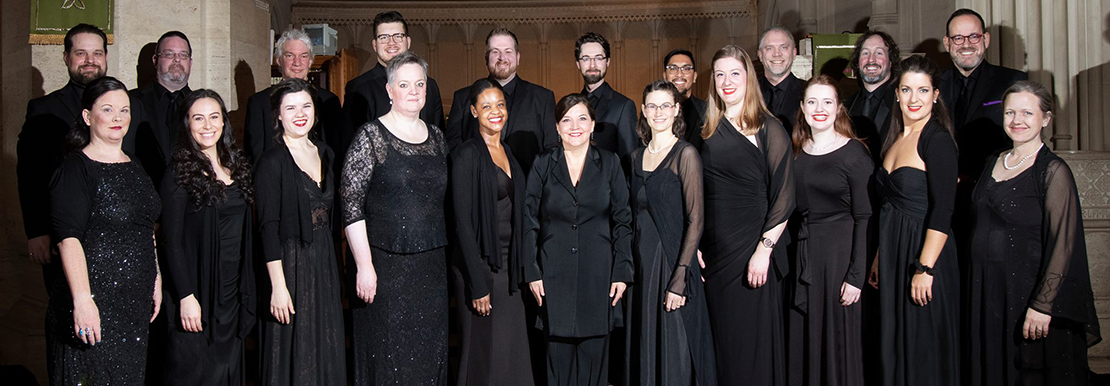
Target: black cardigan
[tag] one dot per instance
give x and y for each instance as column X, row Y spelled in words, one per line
column 474, row 195
column 283, row 207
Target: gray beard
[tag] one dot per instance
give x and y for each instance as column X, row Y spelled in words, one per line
column 875, row 79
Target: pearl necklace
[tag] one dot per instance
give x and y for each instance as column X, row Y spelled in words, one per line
column 656, row 151
column 815, row 149
column 1023, row 159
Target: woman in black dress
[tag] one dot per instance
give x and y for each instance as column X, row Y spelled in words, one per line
column 916, row 270
column 577, row 247
column 832, row 169
column 668, row 324
column 302, row 343
column 1032, row 309
column 206, row 225
column 393, row 187
column 103, row 209
column 749, row 194
column 488, row 192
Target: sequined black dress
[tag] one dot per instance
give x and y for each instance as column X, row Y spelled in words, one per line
column 399, row 188
column 110, row 208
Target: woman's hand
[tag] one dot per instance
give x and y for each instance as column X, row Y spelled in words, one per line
column 86, row 320
column 757, row 267
column 190, row 314
column 481, row 305
column 616, row 291
column 366, row 284
column 674, row 301
column 701, row 263
column 1036, row 324
column 921, row 289
column 537, row 291
column 873, row 276
column 849, row 294
column 157, row 297
column 281, row 305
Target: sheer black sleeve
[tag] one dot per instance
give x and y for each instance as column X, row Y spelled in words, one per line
column 859, row 176
column 688, row 169
column 180, row 266
column 779, row 150
column 621, row 220
column 1064, row 286
column 938, row 150
column 358, row 168
column 70, row 199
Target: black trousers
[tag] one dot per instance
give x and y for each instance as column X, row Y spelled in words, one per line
column 578, row 361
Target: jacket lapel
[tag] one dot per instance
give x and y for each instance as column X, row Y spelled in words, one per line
column 982, row 86
column 562, row 172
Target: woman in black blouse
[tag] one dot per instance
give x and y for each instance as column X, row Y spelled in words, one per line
column 392, row 190
column 1032, row 309
column 206, row 225
column 302, row 343
column 916, row 265
column 488, row 193
column 577, row 247
column 668, row 327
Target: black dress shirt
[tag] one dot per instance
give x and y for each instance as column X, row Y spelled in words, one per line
column 615, row 125
column 979, row 134
column 870, row 112
column 159, row 122
column 784, row 99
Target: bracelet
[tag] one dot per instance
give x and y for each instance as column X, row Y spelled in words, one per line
column 922, row 268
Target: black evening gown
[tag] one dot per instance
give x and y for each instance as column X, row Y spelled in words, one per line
column 399, row 188
column 310, row 349
column 111, row 209
column 668, row 348
column 1029, row 252
column 919, row 344
column 748, row 191
column 830, row 249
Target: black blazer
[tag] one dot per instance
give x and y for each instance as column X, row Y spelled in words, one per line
column 474, row 195
column 785, row 109
column 531, row 126
column 578, row 241
column 872, row 130
column 283, row 205
column 980, row 134
column 39, row 153
column 152, row 138
column 693, row 113
column 260, row 128
column 365, row 100
column 615, row 126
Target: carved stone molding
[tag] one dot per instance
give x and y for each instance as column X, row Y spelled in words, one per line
column 1092, row 180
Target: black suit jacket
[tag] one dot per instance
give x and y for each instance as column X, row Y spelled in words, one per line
column 980, row 134
column 531, row 126
column 39, row 152
column 786, row 108
column 366, row 100
column 578, row 240
column 260, row 131
column 872, row 129
column 693, row 113
column 615, row 126
column 151, row 137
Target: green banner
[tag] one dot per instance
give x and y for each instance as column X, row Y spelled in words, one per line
column 50, row 19
column 831, row 52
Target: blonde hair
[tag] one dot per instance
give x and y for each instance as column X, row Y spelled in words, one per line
column 752, row 113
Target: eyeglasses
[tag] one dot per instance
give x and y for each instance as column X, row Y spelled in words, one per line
column 651, row 107
column 175, row 55
column 959, row 39
column 676, row 69
column 397, row 37
column 595, row 59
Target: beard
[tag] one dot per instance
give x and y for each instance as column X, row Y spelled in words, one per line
column 85, row 74
column 175, row 75
column 874, row 79
column 595, row 77
column 501, row 72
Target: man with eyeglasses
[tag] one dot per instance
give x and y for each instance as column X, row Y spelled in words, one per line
column 615, row 127
column 366, row 99
column 156, row 114
column 678, row 68
column 294, row 57
column 782, row 91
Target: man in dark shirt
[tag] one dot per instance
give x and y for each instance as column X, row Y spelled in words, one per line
column 874, row 58
column 41, row 140
column 679, row 69
column 615, row 123
column 293, row 54
column 531, row 126
column 158, row 120
column 782, row 91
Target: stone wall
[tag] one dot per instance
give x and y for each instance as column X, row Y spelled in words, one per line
column 1092, row 180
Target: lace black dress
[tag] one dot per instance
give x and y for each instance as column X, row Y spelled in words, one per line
column 111, row 209
column 1029, row 252
column 399, row 188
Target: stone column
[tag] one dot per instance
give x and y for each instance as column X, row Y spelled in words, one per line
column 432, row 29
column 618, row 51
column 468, row 34
column 542, row 30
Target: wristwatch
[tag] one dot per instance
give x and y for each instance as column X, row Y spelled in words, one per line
column 767, row 243
column 922, row 268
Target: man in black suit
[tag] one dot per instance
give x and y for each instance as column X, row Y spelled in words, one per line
column 365, row 95
column 874, row 58
column 156, row 113
column 39, row 149
column 679, row 69
column 531, row 126
column 293, row 54
column 782, row 91
column 615, row 126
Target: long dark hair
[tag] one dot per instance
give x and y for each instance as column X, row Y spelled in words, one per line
column 920, row 65
column 193, row 169
column 679, row 125
column 79, row 136
column 286, row 87
column 842, row 124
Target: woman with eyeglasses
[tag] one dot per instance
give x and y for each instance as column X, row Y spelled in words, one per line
column 668, row 324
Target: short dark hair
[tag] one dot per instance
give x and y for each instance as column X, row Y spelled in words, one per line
column 680, row 51
column 389, row 17
column 175, row 34
column 502, row 31
column 480, row 86
column 79, row 137
column 891, row 51
column 568, row 102
column 83, row 28
column 643, row 129
column 286, row 87
column 964, row 12
column 591, row 37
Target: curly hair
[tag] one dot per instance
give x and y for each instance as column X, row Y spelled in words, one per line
column 192, row 168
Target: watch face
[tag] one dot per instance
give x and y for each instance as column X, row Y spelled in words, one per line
column 767, row 242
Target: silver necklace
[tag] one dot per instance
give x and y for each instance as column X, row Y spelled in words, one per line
column 813, row 145
column 656, row 151
column 1005, row 160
